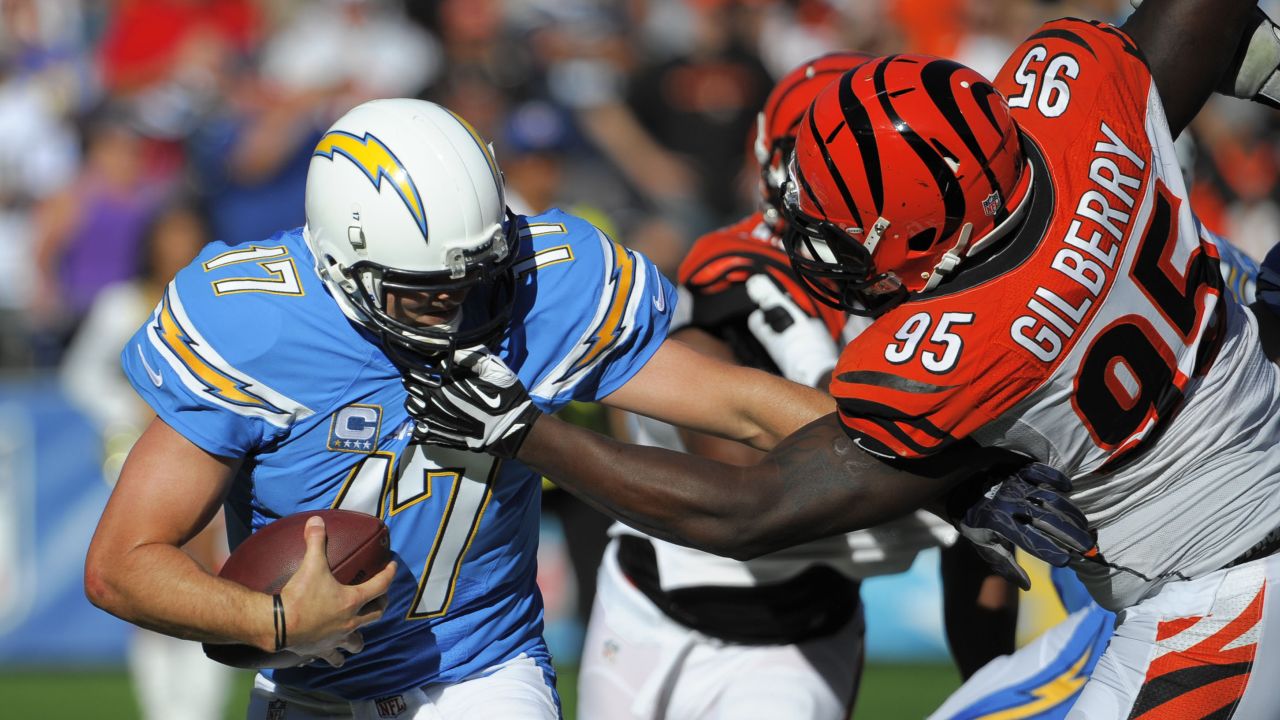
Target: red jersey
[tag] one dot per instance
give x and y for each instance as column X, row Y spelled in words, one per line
column 1097, row 339
column 1105, row 301
column 716, row 269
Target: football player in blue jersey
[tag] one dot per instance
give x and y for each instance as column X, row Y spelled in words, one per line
column 278, row 373
column 275, row 370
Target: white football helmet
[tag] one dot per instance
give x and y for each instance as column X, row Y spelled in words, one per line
column 403, row 194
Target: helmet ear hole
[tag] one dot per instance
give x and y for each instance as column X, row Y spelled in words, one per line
column 923, row 240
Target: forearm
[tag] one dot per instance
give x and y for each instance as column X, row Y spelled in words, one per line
column 683, row 386
column 815, row 484
column 136, row 569
column 673, row 496
column 778, row 408
column 162, row 588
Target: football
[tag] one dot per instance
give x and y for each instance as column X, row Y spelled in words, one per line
column 357, row 544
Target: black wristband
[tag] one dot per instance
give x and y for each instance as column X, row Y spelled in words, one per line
column 282, row 635
column 508, row 446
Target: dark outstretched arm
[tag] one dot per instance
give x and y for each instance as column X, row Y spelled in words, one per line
column 1189, row 45
column 814, row 484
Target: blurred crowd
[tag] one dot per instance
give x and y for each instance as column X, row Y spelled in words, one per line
column 135, row 130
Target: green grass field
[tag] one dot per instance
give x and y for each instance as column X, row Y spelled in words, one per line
column 889, row 692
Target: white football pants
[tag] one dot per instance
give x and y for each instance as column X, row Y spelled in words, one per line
column 1208, row 647
column 514, row 690
column 638, row 664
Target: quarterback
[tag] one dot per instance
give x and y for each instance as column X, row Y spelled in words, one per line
column 275, row 370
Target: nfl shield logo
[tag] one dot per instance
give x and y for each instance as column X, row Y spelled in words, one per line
column 991, row 205
column 389, row 707
column 275, row 710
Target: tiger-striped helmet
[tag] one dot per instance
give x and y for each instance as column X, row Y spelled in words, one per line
column 902, row 168
column 777, row 123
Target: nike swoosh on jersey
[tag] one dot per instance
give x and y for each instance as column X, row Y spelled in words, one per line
column 660, row 301
column 157, row 379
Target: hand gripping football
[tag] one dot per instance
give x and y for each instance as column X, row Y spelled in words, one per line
column 358, row 546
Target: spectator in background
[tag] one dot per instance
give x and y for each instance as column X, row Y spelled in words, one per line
column 172, row 678
column 533, row 148
column 1239, row 180
column 794, row 32
column 41, row 82
column 163, row 59
column 353, row 50
column 87, row 235
column 39, row 156
column 477, row 44
column 702, row 103
column 929, row 27
column 585, row 59
column 250, row 156
column 992, row 30
column 145, row 40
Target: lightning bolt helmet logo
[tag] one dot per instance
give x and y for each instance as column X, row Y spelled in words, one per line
column 376, row 161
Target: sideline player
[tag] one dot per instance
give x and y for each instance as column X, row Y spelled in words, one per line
column 1081, row 322
column 678, row 633
column 276, row 371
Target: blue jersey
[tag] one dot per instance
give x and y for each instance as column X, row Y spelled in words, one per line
column 248, row 356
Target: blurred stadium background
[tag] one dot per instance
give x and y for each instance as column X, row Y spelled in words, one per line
column 136, row 129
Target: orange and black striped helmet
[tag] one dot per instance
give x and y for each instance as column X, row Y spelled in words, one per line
column 902, row 168
column 777, row 123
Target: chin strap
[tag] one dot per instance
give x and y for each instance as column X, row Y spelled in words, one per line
column 951, row 258
column 962, row 249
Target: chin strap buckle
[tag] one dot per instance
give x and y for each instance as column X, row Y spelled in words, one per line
column 951, row 258
column 877, row 232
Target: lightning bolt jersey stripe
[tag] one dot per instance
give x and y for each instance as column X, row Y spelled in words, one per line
column 1039, row 682
column 618, row 287
column 317, row 409
column 203, row 370
column 627, row 292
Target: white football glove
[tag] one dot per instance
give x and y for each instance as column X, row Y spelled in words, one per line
column 479, row 405
column 798, row 344
column 1258, row 76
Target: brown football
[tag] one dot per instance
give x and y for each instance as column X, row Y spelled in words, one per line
column 358, row 546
